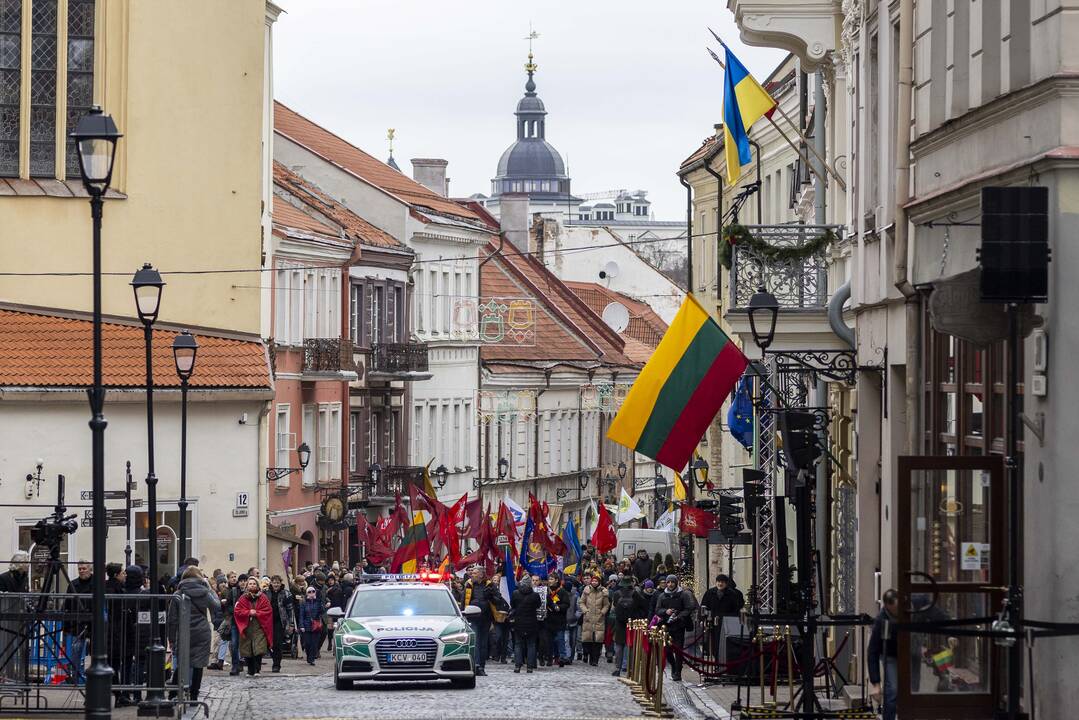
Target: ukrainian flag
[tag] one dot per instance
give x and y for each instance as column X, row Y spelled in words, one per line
column 744, row 103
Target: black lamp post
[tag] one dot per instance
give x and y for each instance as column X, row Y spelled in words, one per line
column 503, row 468
column 441, row 475
column 95, row 137
column 184, row 350
column 698, row 468
column 763, row 312
column 659, row 490
column 276, row 473
column 147, row 285
column 374, row 471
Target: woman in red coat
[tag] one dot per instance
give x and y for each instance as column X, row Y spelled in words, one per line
column 254, row 621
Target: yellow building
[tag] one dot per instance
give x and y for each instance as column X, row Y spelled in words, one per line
column 187, row 84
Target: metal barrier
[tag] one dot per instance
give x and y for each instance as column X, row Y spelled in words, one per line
column 45, row 649
column 647, row 650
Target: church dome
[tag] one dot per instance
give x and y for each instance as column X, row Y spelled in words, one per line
column 531, row 164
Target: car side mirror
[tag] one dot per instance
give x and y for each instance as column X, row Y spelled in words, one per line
column 335, row 612
column 472, row 611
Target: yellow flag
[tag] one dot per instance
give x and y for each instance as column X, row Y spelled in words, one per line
column 427, row 486
column 679, row 488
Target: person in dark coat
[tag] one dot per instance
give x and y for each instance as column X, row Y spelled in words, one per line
column 525, row 605
column 234, row 592
column 309, row 622
column 114, row 608
column 203, row 598
column 15, row 580
column 136, row 635
column 479, row 591
column 675, row 608
column 284, row 618
column 555, row 622
column 627, row 603
column 78, row 631
column 884, row 649
column 642, row 566
column 724, row 599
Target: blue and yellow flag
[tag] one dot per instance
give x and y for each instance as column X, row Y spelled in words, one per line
column 744, row 103
column 573, row 548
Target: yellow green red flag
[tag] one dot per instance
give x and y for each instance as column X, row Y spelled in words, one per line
column 680, row 389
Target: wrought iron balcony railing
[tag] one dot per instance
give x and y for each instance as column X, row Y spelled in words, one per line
column 799, row 282
column 396, row 479
column 327, row 355
column 396, row 358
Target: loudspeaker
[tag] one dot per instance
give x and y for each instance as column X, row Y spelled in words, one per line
column 1015, row 244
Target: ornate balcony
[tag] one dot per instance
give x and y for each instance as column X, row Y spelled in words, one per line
column 808, row 28
column 800, row 282
column 396, row 479
column 328, row 356
column 399, row 361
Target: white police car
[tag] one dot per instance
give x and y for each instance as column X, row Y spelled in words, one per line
column 399, row 627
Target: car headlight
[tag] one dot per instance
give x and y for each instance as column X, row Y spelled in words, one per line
column 458, row 638
column 350, row 640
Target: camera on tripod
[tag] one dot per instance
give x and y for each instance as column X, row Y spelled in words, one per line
column 50, row 531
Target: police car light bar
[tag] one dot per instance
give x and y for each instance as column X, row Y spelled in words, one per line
column 403, row 577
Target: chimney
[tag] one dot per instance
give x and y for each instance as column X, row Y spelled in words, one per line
column 513, row 219
column 431, row 173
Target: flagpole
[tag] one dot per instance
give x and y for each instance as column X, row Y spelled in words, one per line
column 809, row 146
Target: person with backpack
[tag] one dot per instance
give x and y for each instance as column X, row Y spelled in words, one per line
column 675, row 608
column 627, row 604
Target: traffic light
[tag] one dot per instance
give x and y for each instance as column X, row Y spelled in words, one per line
column 801, row 445
column 706, row 505
column 730, row 516
column 753, row 490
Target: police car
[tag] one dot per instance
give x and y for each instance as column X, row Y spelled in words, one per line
column 403, row 627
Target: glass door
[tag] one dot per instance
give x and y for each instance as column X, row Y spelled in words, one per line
column 951, row 567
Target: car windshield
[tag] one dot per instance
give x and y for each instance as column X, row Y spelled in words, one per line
column 403, row 602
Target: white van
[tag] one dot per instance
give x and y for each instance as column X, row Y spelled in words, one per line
column 630, row 540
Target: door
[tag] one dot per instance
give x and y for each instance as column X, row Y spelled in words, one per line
column 951, row 567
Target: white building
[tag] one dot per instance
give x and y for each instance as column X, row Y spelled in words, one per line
column 445, row 237
column 44, row 370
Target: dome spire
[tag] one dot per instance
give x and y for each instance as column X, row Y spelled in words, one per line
column 530, row 66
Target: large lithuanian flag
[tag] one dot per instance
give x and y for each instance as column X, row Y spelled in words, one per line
column 414, row 547
column 680, row 390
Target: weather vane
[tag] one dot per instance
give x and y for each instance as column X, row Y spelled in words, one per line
column 531, row 67
column 389, row 136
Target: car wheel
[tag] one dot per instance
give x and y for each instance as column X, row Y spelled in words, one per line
column 464, row 683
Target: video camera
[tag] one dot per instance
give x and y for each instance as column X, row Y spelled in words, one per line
column 50, row 531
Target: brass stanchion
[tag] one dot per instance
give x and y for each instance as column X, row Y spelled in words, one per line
column 790, row 664
column 760, row 651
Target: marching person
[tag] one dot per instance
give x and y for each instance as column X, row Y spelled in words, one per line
column 203, row 598
column 557, row 605
column 594, row 604
column 284, row 618
column 526, row 604
column 642, row 566
column 884, row 649
column 675, row 609
column 480, row 592
column 627, row 604
column 310, row 624
column 254, row 621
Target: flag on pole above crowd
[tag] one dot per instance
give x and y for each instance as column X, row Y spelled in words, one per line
column 744, row 103
column 667, row 521
column 680, row 390
column 413, row 549
column 508, row 583
column 518, row 513
column 604, row 537
column 573, row 547
column 628, row 509
column 679, row 488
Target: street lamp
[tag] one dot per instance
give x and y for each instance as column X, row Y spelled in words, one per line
column 441, row 475
column 184, row 350
column 147, row 285
column 763, row 311
column 700, row 466
column 276, row 473
column 95, row 137
column 503, row 468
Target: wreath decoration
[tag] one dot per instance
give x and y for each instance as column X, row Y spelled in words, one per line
column 740, row 235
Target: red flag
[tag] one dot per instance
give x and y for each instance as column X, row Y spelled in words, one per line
column 434, row 509
column 473, row 519
column 604, row 538
column 447, row 528
column 400, row 514
column 487, row 552
column 505, row 525
column 375, row 549
column 696, row 521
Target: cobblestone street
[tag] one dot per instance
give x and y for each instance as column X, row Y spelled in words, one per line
column 576, row 691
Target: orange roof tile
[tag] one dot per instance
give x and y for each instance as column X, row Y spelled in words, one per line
column 645, row 326
column 39, row 350
column 319, row 202
column 288, row 215
column 314, row 137
column 565, row 328
column 706, row 148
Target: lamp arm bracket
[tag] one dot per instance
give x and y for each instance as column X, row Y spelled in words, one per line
column 1036, row 426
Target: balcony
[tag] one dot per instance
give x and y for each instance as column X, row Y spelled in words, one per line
column 398, row 361
column 808, row 28
column 395, row 479
column 328, row 359
column 800, row 284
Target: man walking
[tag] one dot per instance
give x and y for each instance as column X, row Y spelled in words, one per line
column 675, row 609
column 883, row 647
column 284, row 619
column 480, row 592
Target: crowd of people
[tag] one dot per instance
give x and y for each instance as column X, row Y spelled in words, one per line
column 237, row 620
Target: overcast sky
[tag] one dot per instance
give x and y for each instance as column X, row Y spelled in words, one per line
column 629, row 88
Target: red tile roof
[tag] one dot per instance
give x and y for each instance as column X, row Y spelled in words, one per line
column 324, row 206
column 707, row 148
column 40, row 350
column 296, row 127
column 565, row 327
column 645, row 326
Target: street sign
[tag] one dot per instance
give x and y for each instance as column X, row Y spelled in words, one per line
column 241, row 500
column 114, row 517
column 109, row 494
column 136, row 502
column 239, row 512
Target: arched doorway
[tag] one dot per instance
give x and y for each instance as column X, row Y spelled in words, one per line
column 308, row 549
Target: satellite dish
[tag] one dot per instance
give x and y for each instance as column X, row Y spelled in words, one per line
column 610, row 271
column 616, row 316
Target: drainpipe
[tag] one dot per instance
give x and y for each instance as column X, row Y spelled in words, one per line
column 819, row 118
column 689, row 234
column 263, row 494
column 902, row 196
column 835, row 314
column 719, row 222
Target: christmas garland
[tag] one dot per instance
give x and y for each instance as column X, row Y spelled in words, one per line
column 740, row 235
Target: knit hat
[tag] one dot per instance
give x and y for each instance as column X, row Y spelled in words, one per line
column 671, row 578
column 648, row 585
